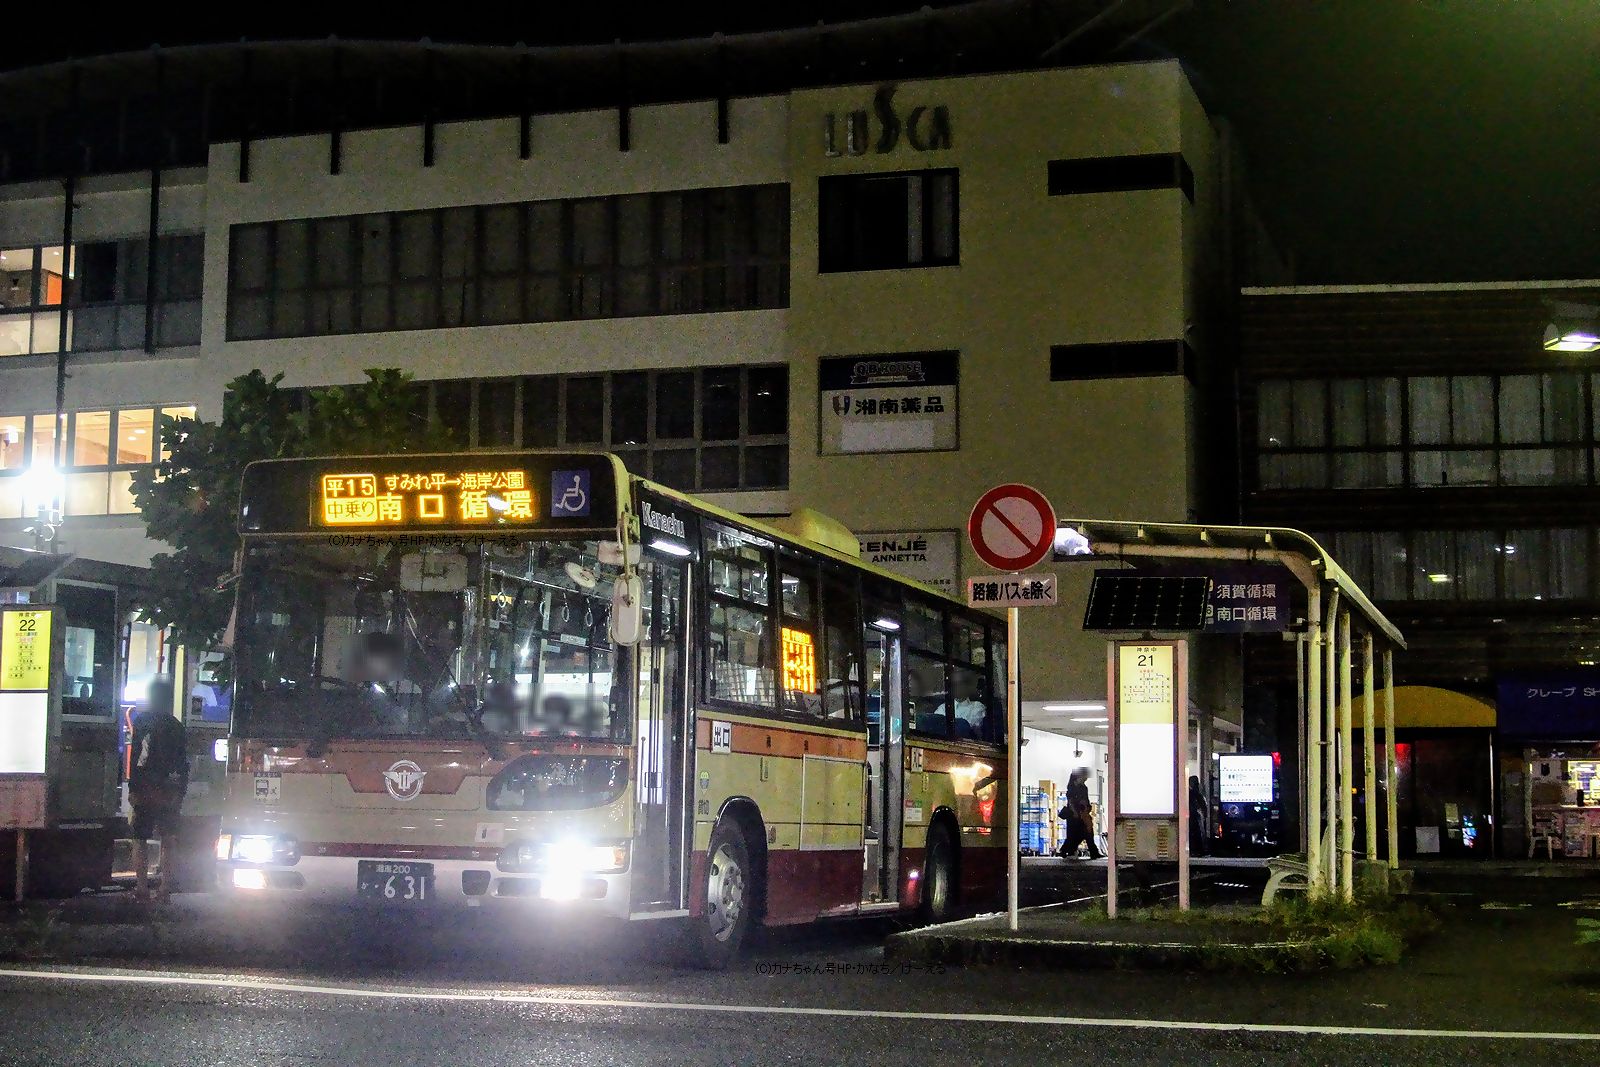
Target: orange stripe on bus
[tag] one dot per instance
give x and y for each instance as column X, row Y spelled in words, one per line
column 778, row 741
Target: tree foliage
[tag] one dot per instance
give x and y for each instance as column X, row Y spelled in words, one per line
column 190, row 500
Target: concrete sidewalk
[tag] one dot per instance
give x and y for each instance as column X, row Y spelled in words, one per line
column 1063, row 938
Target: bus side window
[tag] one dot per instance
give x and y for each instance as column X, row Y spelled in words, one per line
column 841, row 616
column 742, row 663
column 925, row 694
column 995, row 724
column 798, row 658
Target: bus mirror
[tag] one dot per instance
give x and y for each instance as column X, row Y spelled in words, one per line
column 627, row 609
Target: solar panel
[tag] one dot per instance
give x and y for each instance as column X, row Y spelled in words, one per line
column 1124, row 600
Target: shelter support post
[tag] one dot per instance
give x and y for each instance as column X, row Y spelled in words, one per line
column 1347, row 827
column 1312, row 758
column 1330, row 737
column 1369, row 751
column 1391, row 773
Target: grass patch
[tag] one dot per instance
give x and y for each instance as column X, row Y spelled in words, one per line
column 33, row 932
column 1294, row 934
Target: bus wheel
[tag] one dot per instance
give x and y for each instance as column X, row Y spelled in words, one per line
column 938, row 877
column 730, row 898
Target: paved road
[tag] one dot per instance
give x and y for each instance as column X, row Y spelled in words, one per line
column 348, row 989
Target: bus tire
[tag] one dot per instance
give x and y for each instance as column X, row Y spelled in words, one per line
column 730, row 898
column 938, row 903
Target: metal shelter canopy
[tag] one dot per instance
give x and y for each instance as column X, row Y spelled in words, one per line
column 1299, row 552
column 1324, row 654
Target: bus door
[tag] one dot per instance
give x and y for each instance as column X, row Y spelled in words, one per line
column 885, row 732
column 662, row 733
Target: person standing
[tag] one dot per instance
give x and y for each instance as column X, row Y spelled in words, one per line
column 157, row 781
column 1199, row 819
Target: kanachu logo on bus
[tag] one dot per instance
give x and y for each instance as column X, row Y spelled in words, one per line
column 403, row 780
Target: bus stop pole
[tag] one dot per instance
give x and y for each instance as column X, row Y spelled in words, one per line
column 1013, row 766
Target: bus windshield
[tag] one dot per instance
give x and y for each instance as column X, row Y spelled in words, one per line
column 363, row 637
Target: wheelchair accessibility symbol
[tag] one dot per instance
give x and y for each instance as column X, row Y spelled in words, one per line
column 569, row 493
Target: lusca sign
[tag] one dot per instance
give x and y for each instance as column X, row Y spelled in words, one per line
column 925, row 127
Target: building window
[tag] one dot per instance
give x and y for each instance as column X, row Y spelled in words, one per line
column 697, row 250
column 103, row 450
column 715, row 429
column 1467, row 565
column 1426, row 431
column 888, row 221
column 109, row 299
column 31, row 286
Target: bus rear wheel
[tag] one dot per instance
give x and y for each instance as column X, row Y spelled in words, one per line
column 938, row 877
column 730, row 898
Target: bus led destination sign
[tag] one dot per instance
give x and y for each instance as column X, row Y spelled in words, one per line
column 408, row 497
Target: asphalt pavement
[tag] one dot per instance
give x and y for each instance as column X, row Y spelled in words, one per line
column 202, row 985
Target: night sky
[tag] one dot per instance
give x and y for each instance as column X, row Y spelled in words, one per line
column 1386, row 140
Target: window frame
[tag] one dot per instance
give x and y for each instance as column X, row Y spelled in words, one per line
column 836, row 262
column 533, row 273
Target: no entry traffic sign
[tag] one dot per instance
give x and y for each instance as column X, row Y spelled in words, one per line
column 1012, row 527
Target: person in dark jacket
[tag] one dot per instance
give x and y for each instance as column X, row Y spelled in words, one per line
column 157, row 780
column 1199, row 819
column 1077, row 815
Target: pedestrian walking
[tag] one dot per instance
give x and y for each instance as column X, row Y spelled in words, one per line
column 1078, row 816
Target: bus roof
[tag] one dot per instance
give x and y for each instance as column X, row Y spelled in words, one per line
column 776, row 533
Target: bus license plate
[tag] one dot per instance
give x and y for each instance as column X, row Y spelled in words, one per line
column 393, row 881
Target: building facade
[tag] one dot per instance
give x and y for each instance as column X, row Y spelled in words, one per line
column 1426, row 437
column 875, row 300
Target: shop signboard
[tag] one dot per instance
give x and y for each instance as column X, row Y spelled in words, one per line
column 897, row 402
column 928, row 556
column 1555, row 705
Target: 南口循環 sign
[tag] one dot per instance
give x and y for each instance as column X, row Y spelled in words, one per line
column 1248, row 600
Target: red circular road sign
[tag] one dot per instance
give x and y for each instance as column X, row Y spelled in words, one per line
column 1012, row 527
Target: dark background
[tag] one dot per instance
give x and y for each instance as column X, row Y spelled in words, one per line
column 1387, row 140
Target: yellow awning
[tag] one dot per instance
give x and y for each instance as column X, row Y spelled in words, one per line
column 1428, row 707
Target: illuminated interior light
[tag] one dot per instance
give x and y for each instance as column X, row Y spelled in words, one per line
column 887, row 625
column 670, row 548
column 249, row 878
column 1092, row 718
column 1076, row 705
column 1439, row 579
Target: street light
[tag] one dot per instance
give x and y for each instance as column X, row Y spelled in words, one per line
column 43, row 487
column 1573, row 328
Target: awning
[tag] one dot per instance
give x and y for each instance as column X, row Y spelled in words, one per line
column 1427, row 707
column 1311, row 563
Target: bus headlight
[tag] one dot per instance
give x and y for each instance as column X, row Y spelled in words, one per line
column 563, row 857
column 260, row 848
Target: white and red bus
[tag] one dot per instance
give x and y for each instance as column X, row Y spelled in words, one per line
column 532, row 680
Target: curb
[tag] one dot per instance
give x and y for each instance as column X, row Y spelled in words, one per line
column 927, row 947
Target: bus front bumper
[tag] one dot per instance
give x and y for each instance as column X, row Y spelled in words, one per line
column 430, row 883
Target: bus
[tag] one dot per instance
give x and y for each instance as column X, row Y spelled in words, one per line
column 533, row 680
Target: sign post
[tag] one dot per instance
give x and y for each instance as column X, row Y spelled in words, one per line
column 1147, row 744
column 29, row 654
column 1012, row 528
